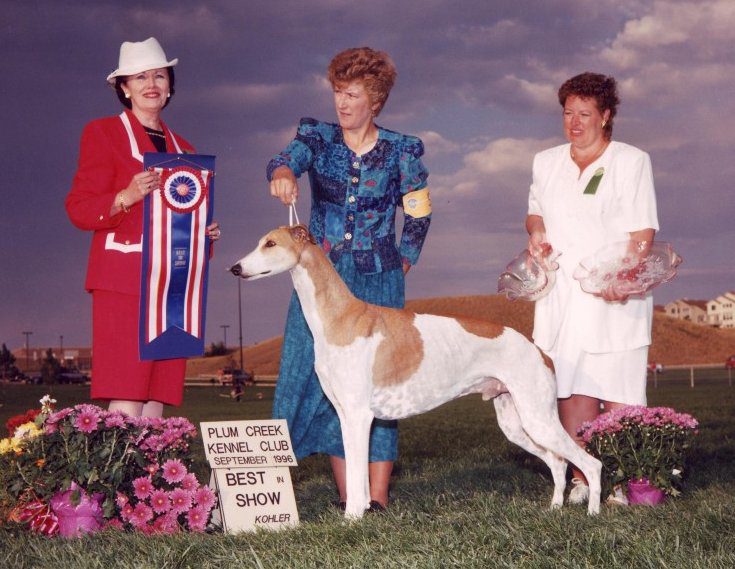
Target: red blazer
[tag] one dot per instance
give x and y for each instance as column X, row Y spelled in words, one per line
column 111, row 152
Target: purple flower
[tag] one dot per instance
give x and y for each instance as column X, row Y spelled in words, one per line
column 86, row 421
column 205, row 497
column 141, row 515
column 189, row 483
column 197, row 518
column 115, row 420
column 180, row 500
column 174, row 471
column 143, row 487
column 160, row 501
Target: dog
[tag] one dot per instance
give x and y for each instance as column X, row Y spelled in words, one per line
column 390, row 363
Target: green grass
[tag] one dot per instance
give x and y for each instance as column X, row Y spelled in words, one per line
column 462, row 497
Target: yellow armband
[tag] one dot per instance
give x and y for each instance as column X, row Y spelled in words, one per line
column 418, row 203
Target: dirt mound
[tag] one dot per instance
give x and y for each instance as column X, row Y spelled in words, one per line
column 674, row 341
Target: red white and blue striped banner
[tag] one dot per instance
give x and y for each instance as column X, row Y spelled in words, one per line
column 175, row 256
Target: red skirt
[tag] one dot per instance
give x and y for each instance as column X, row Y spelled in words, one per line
column 117, row 371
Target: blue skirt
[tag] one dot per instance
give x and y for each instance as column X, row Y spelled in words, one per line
column 312, row 420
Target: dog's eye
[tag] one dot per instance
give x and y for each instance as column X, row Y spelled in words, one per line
column 270, row 243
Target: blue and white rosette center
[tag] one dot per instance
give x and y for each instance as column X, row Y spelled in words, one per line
column 183, row 191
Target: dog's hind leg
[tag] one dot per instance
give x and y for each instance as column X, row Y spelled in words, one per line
column 510, row 424
column 546, row 431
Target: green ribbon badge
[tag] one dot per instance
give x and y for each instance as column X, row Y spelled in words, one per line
column 591, row 188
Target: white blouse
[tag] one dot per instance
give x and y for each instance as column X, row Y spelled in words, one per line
column 577, row 225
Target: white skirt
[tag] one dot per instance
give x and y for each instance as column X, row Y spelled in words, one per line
column 619, row 377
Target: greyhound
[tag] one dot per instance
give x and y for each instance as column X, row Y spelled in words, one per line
column 391, row 363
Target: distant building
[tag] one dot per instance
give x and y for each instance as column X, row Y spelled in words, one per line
column 79, row 358
column 721, row 311
column 691, row 310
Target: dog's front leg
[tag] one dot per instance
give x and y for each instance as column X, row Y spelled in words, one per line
column 356, row 439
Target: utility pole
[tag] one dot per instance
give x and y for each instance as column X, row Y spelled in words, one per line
column 224, row 328
column 28, row 354
column 61, row 349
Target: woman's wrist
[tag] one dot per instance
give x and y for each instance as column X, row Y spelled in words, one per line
column 122, row 202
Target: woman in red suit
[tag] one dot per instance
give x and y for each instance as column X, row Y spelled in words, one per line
column 106, row 198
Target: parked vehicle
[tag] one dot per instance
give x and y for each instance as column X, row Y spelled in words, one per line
column 73, row 376
column 730, row 362
column 655, row 367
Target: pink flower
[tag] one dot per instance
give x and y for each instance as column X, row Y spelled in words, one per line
column 114, row 524
column 205, row 497
column 126, row 512
column 168, row 522
column 197, row 518
column 115, row 419
column 86, row 421
column 141, row 515
column 152, row 468
column 160, row 501
column 121, row 499
column 180, row 500
column 174, row 471
column 143, row 487
column 189, row 483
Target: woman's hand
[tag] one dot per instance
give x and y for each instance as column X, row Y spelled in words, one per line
column 141, row 184
column 638, row 247
column 213, row 231
column 538, row 246
column 283, row 185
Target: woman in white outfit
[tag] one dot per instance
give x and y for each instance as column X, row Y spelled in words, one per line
column 586, row 194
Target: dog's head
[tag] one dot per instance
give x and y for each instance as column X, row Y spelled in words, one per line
column 277, row 251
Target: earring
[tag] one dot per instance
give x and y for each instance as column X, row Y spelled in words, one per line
column 604, row 123
column 168, row 95
column 127, row 95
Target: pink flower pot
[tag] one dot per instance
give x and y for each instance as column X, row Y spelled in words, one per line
column 76, row 519
column 643, row 492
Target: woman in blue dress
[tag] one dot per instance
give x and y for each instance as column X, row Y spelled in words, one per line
column 359, row 174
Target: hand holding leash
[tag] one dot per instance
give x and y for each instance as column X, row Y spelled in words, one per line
column 283, row 185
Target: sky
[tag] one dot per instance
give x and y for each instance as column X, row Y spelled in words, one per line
column 477, row 81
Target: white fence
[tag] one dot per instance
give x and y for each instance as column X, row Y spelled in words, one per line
column 694, row 373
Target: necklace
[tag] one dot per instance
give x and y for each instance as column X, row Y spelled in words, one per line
column 154, row 132
column 591, row 160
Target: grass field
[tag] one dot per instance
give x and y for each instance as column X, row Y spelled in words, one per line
column 462, row 497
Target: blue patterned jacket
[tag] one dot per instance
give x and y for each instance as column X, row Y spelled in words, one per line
column 354, row 198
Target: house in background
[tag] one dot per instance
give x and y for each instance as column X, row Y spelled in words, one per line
column 721, row 311
column 691, row 310
column 30, row 361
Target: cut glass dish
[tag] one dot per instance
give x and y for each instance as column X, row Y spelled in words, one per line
column 626, row 270
column 527, row 277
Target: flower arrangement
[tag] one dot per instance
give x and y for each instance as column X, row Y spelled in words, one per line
column 104, row 468
column 640, row 443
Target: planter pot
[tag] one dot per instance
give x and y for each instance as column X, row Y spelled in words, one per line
column 78, row 512
column 72, row 524
column 643, row 492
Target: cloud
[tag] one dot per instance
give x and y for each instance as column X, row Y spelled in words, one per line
column 694, row 30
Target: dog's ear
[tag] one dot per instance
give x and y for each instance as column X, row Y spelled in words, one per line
column 300, row 234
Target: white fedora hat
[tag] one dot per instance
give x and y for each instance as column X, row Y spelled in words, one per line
column 140, row 56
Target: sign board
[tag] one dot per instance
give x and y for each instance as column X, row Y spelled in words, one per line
column 250, row 461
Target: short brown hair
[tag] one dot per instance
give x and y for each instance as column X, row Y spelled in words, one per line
column 374, row 68
column 603, row 89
